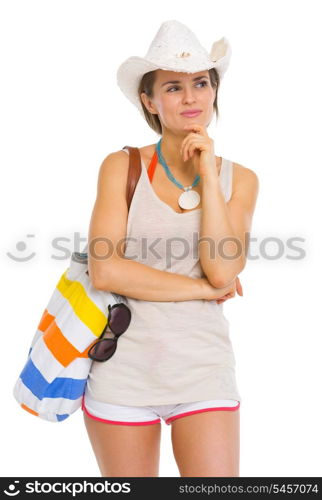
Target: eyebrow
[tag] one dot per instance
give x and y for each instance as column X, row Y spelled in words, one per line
column 178, row 81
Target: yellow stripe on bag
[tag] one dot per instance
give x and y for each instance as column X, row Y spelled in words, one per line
column 82, row 305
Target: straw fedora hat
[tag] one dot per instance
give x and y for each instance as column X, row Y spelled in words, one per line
column 174, row 48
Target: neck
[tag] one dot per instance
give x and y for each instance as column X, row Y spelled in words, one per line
column 170, row 149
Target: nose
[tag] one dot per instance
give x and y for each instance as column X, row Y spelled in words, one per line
column 188, row 95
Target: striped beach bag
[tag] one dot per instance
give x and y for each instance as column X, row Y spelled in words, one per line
column 53, row 380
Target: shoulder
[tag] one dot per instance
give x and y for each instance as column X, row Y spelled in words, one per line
column 113, row 171
column 116, row 157
column 119, row 160
column 115, row 161
column 122, row 157
column 244, row 178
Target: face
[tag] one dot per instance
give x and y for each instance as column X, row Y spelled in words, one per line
column 194, row 91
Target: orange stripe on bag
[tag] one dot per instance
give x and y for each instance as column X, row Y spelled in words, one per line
column 59, row 346
column 84, row 354
column 45, row 321
column 29, row 409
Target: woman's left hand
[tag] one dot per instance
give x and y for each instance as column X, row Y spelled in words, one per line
column 199, row 146
column 239, row 290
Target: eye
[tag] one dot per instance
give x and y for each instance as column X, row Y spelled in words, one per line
column 203, row 83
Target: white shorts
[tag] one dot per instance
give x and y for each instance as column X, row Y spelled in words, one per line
column 144, row 415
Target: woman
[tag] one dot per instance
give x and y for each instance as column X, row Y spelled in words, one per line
column 175, row 361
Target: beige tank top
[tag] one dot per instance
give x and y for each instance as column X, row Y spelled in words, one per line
column 172, row 352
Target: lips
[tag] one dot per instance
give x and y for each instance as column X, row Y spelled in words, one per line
column 191, row 114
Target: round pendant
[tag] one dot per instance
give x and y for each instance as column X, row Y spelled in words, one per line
column 189, row 199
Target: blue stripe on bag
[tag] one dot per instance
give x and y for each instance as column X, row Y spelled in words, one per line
column 68, row 388
column 33, row 379
column 62, row 417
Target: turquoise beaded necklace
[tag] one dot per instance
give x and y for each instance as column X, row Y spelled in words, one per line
column 189, row 198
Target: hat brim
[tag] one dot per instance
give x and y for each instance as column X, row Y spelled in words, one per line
column 131, row 71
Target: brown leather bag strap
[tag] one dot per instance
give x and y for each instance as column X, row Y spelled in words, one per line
column 134, row 172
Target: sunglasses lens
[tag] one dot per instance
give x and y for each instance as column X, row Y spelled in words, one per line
column 103, row 349
column 120, row 318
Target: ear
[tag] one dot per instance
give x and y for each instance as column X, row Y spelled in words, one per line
column 148, row 103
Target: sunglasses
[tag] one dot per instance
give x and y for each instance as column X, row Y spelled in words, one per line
column 119, row 319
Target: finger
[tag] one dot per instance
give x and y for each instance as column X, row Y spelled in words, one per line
column 189, row 135
column 186, row 142
column 183, row 146
column 193, row 146
column 195, row 127
column 237, row 285
column 189, row 151
column 186, row 150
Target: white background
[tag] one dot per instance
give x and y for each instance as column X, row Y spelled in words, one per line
column 62, row 113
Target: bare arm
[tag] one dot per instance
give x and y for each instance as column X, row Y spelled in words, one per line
column 227, row 224
column 139, row 281
column 108, row 268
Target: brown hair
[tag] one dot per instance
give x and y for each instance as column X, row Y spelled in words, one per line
column 146, row 86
